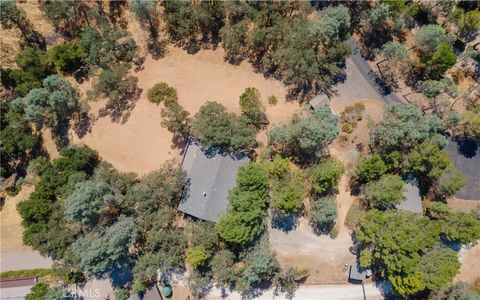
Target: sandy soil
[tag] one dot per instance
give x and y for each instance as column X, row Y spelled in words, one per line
column 141, row 144
column 464, row 205
column 206, row 77
column 326, row 259
column 39, row 23
column 49, row 144
column 10, row 222
column 470, row 269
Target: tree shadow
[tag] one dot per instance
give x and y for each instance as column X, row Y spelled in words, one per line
column 257, row 290
column 119, row 109
column 323, row 229
column 373, row 40
column 83, row 124
column 60, row 134
column 285, row 223
column 466, row 146
column 383, row 86
column 180, row 141
column 120, row 276
column 157, row 48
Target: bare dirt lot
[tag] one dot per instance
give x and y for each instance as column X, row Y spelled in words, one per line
column 326, row 259
column 470, row 269
column 141, row 144
column 10, row 222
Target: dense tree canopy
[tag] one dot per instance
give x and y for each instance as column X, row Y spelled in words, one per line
column 50, row 105
column 215, row 127
column 370, row 168
column 244, row 219
column 429, row 37
column 383, row 233
column 251, row 106
column 100, row 252
column 423, row 262
column 323, row 212
column 402, row 127
column 107, row 46
column 395, row 51
column 261, row 266
column 305, row 135
column 471, row 122
column 385, row 193
column 116, row 84
column 326, row 174
column 18, row 140
column 162, row 93
column 33, row 66
column 68, row 57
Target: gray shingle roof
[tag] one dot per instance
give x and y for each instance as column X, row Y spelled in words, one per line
column 211, row 174
column 319, row 101
column 413, row 201
column 357, row 273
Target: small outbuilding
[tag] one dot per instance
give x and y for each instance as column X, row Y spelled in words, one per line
column 211, row 173
column 413, row 201
column 357, row 273
column 319, row 101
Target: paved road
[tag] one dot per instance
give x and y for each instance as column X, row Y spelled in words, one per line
column 326, row 292
column 23, row 260
column 367, row 72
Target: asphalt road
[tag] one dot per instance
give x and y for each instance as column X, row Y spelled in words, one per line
column 309, row 292
column 367, row 72
column 23, row 260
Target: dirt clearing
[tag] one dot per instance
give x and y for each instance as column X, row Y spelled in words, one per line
column 141, row 144
column 326, row 259
column 10, row 222
column 470, row 269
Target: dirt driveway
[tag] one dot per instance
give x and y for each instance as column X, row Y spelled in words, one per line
column 14, row 255
column 326, row 259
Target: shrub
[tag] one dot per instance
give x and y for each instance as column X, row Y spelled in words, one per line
column 279, row 166
column 370, row 168
column 386, row 192
column 196, row 256
column 326, row 175
column 323, row 213
column 162, row 92
column 272, row 100
column 121, row 294
column 347, row 128
column 287, row 198
column 68, row 57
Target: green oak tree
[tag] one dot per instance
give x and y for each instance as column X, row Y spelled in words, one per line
column 326, row 174
column 385, row 193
